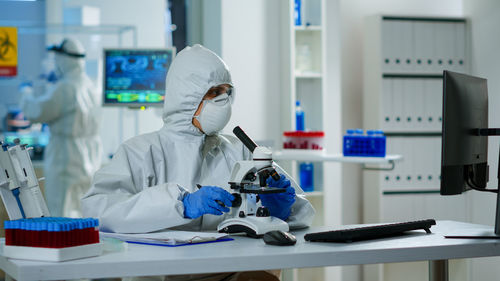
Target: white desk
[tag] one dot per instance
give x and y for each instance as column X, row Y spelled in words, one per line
column 244, row 254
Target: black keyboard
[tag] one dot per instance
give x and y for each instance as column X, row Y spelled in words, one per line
column 369, row 232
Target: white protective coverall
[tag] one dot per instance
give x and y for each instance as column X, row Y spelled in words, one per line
column 142, row 188
column 73, row 154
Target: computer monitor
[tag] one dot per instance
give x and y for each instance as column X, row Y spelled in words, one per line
column 464, row 153
column 135, row 77
column 464, row 149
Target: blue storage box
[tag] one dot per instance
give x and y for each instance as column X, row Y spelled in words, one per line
column 371, row 144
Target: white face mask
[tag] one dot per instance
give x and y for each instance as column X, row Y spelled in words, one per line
column 215, row 114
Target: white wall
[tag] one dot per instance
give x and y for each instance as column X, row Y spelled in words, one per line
column 484, row 20
column 353, row 13
column 250, row 47
column 211, row 27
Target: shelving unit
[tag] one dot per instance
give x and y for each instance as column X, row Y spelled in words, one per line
column 304, row 78
column 403, row 62
column 311, row 74
column 303, row 75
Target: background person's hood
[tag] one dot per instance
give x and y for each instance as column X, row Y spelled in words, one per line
column 66, row 64
column 194, row 70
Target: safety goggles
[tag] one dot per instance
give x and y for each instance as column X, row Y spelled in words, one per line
column 60, row 49
column 222, row 95
column 222, row 99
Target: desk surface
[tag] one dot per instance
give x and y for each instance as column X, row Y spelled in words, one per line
column 244, row 254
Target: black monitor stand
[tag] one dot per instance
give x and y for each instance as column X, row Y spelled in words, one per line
column 485, row 233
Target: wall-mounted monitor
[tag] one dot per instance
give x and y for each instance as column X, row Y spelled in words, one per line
column 135, row 77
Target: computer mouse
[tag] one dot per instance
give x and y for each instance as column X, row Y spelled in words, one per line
column 279, row 238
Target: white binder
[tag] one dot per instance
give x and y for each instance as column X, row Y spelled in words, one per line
column 420, row 166
column 387, row 115
column 428, row 108
column 398, row 47
column 430, row 160
column 419, row 104
column 409, row 104
column 450, row 45
column 407, row 47
column 461, row 46
column 397, row 92
column 410, row 151
column 431, row 163
column 388, row 178
column 423, row 46
column 439, row 58
column 430, row 37
column 428, row 172
column 397, row 176
column 446, row 48
column 437, row 161
column 437, row 86
column 452, row 63
column 388, row 41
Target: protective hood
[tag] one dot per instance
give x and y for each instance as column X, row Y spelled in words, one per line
column 69, row 57
column 194, row 70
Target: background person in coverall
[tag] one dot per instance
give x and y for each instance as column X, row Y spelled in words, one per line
column 71, row 108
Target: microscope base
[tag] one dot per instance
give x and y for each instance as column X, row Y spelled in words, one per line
column 253, row 226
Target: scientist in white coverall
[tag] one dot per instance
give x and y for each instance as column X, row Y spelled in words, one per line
column 151, row 182
column 71, row 108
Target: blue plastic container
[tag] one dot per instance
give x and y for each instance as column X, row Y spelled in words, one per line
column 370, row 145
column 297, row 12
column 299, row 117
column 306, row 175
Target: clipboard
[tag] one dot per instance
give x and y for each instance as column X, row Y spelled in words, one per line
column 169, row 238
column 181, row 244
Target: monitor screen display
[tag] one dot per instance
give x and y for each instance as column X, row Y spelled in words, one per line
column 135, row 77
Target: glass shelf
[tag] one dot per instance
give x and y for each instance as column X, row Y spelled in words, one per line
column 307, row 75
column 308, row 28
column 319, row 156
column 26, row 28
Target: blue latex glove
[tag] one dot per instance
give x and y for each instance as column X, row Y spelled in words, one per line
column 203, row 201
column 26, row 84
column 52, row 77
column 279, row 204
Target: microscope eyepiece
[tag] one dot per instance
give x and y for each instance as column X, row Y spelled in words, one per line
column 244, row 138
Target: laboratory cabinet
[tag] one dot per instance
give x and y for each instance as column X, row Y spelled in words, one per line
column 404, row 59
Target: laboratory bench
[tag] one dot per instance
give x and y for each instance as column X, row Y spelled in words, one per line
column 247, row 254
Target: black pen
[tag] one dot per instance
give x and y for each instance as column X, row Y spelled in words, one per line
column 218, row 201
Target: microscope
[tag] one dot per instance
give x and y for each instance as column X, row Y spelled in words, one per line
column 19, row 188
column 249, row 179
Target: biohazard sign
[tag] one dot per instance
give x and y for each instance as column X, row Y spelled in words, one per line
column 8, row 51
